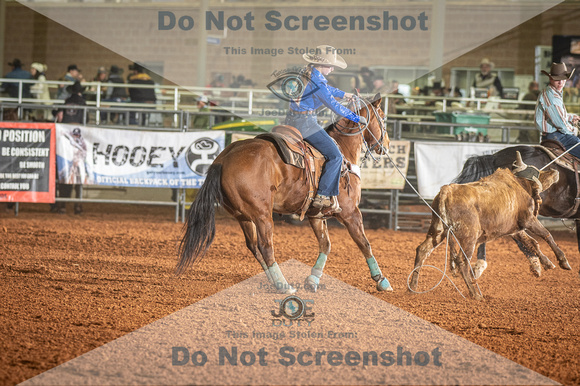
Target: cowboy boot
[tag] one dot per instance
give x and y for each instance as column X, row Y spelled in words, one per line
column 325, row 202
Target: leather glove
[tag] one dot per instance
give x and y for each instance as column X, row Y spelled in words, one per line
column 362, row 120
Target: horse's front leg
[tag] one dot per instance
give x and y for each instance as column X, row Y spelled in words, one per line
column 351, row 218
column 321, row 231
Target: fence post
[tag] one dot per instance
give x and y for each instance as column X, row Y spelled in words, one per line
column 98, row 104
column 176, row 107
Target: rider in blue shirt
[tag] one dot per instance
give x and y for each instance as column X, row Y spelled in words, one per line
column 302, row 115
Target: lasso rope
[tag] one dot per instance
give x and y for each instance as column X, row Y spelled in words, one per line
column 444, row 274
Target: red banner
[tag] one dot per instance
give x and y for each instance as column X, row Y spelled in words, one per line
column 27, row 162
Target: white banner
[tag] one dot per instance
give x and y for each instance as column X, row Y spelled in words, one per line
column 89, row 155
column 438, row 164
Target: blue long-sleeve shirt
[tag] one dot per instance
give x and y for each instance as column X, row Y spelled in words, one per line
column 551, row 114
column 317, row 93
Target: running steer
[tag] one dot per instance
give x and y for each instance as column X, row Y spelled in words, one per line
column 505, row 203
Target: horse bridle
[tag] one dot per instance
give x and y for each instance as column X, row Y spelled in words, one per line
column 358, row 103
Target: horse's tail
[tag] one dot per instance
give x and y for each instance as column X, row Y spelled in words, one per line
column 199, row 228
column 475, row 168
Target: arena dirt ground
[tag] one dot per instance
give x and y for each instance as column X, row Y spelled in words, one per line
column 73, row 283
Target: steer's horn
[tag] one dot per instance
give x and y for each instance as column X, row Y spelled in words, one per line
column 519, row 164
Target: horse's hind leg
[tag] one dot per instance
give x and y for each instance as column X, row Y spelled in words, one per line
column 264, row 228
column 249, row 229
column 537, row 228
column 352, row 220
column 320, row 229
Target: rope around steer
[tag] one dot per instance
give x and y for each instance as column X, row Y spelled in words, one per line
column 444, row 274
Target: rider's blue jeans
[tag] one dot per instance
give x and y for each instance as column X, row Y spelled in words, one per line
column 568, row 140
column 314, row 134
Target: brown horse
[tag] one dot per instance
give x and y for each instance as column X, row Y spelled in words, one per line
column 250, row 180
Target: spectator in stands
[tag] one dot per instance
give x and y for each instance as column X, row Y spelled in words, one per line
column 40, row 89
column 68, row 114
column 140, row 95
column 552, row 119
column 529, row 136
column 437, row 91
column 394, row 101
column 17, row 73
column 455, row 93
column 72, row 115
column 201, row 121
column 531, row 95
column 72, row 75
column 365, row 80
column 487, row 79
column 379, row 86
column 238, row 81
column 101, row 76
column 116, row 94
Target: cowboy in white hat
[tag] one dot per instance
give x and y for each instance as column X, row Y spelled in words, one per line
column 302, row 115
column 487, row 79
column 552, row 119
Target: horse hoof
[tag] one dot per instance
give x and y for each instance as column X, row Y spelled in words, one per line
column 478, row 268
column 384, row 285
column 535, row 270
column 564, row 265
column 311, row 283
column 548, row 266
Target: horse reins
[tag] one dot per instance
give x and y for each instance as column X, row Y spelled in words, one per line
column 356, row 102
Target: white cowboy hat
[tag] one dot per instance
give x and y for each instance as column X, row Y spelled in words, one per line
column 326, row 56
column 486, row 61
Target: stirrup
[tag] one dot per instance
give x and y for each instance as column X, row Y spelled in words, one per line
column 326, row 204
column 321, row 202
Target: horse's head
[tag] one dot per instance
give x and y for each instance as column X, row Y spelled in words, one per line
column 351, row 135
column 376, row 136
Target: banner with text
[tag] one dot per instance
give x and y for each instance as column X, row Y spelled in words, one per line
column 88, row 155
column 27, row 162
column 438, row 164
column 382, row 174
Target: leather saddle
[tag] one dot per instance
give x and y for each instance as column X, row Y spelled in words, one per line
column 296, row 152
column 554, row 149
